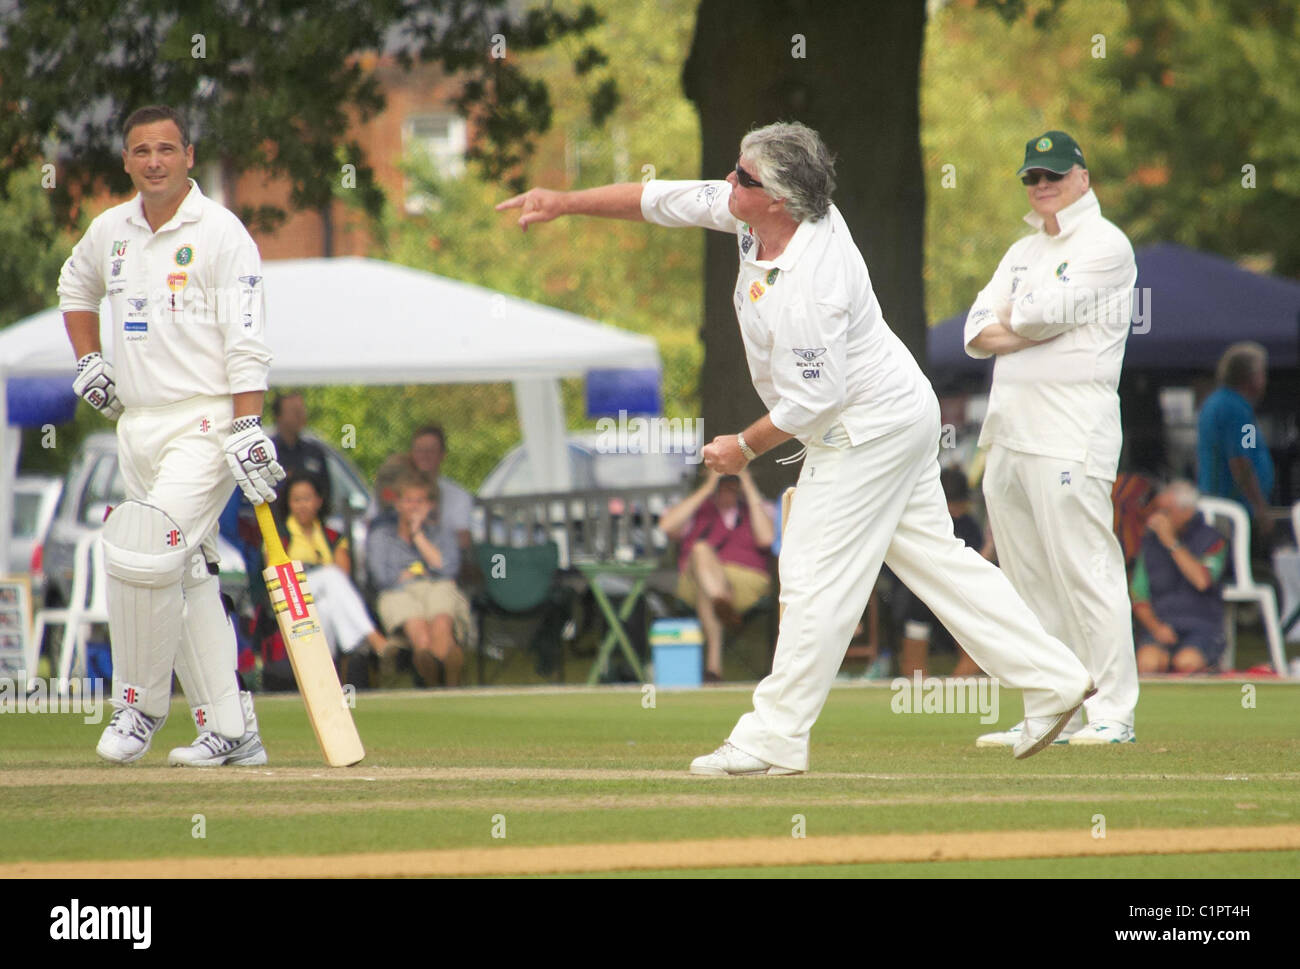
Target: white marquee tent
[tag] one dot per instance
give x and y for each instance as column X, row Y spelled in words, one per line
column 362, row 321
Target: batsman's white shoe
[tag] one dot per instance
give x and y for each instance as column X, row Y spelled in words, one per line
column 1039, row 732
column 732, row 761
column 128, row 735
column 213, row 750
column 1104, row 732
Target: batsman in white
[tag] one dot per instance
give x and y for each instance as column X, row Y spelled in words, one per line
column 185, row 384
column 1057, row 315
column 835, row 376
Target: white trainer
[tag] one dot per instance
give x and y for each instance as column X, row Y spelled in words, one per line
column 1104, row 732
column 1011, row 736
column 1039, row 732
column 732, row 761
column 128, row 735
column 213, row 750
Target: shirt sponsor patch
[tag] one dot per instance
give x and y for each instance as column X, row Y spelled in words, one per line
column 119, row 247
column 135, row 319
column 755, row 290
column 176, row 283
column 808, row 355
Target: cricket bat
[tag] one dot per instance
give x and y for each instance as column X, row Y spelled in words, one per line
column 309, row 652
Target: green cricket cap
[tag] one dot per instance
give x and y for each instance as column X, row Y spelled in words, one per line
column 1054, row 151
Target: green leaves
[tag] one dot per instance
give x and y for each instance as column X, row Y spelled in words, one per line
column 268, row 85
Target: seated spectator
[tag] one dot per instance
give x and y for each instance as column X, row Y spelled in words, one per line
column 428, row 448
column 919, row 623
column 328, row 562
column 1176, row 591
column 724, row 543
column 293, row 451
column 413, row 558
column 1233, row 459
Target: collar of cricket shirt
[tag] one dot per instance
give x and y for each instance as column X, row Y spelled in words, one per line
column 794, row 248
column 190, row 209
column 1070, row 217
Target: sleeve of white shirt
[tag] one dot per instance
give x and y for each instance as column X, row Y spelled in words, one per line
column 806, row 400
column 992, row 305
column 681, row 204
column 241, row 312
column 1095, row 287
column 81, row 282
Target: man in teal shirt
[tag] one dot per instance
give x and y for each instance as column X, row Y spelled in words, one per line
column 1232, row 456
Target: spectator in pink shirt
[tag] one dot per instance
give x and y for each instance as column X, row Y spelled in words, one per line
column 725, row 530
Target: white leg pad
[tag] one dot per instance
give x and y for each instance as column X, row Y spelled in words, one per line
column 144, row 558
column 206, row 658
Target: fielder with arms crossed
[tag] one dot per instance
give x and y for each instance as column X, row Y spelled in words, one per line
column 1057, row 315
column 186, row 382
column 834, row 375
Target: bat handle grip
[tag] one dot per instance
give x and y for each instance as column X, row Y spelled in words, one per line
column 275, row 553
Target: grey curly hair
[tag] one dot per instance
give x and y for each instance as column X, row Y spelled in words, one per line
column 792, row 162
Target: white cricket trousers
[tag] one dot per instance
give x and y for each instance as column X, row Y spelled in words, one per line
column 1054, row 529
column 340, row 608
column 172, row 457
column 854, row 508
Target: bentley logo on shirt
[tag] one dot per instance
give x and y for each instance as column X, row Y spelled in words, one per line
column 808, row 356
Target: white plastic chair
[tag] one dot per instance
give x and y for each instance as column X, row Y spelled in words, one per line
column 1244, row 588
column 88, row 605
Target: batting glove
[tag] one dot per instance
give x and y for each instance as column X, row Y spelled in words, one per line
column 251, row 457
column 95, row 385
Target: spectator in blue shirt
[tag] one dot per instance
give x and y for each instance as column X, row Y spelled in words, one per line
column 1232, row 456
column 1176, row 591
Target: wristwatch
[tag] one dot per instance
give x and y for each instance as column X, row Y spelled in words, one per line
column 745, row 449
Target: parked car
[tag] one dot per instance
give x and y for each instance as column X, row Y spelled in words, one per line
column 35, row 498
column 591, row 470
column 94, row 483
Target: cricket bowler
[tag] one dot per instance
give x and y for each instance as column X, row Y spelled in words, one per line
column 1057, row 314
column 185, row 385
column 833, row 375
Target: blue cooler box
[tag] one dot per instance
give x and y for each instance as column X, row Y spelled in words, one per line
column 677, row 652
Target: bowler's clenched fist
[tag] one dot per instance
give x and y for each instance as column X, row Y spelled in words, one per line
column 724, row 455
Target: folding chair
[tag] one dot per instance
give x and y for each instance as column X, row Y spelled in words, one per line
column 1243, row 587
column 520, row 584
column 88, row 605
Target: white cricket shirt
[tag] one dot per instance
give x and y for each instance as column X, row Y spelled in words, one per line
column 187, row 301
column 1075, row 289
column 818, row 348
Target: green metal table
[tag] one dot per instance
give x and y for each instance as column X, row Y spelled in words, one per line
column 593, row 572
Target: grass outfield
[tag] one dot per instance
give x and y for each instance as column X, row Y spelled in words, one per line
column 564, row 771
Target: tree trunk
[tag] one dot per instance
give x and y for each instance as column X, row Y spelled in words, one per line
column 852, row 72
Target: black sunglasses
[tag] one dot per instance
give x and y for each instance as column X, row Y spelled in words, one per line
column 746, row 179
column 1033, row 178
